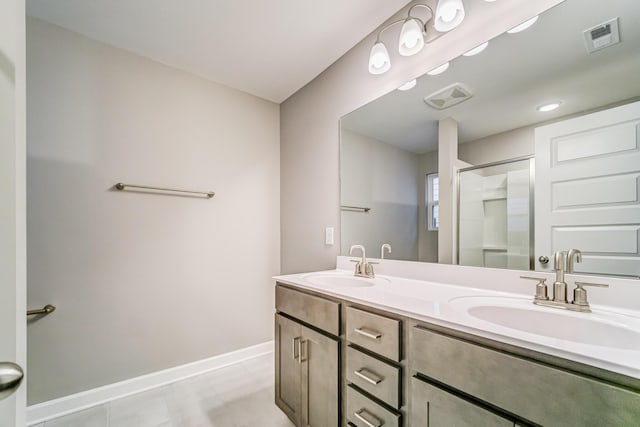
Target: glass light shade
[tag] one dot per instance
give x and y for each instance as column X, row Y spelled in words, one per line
column 411, row 39
column 523, row 26
column 408, row 85
column 439, row 70
column 449, row 14
column 476, row 50
column 379, row 61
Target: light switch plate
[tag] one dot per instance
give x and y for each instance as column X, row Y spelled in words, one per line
column 328, row 236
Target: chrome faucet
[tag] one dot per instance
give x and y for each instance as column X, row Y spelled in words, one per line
column 573, row 256
column 363, row 267
column 560, row 286
column 563, row 262
column 384, row 246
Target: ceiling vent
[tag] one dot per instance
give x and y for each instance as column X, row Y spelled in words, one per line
column 603, row 35
column 448, row 97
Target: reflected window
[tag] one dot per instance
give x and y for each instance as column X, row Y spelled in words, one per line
column 432, row 201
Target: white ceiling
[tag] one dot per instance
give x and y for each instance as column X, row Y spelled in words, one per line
column 267, row 48
column 514, row 75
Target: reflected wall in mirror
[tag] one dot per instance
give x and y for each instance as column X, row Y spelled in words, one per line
column 582, row 55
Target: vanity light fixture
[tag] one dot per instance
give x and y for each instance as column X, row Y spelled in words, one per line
column 379, row 61
column 448, row 15
column 408, row 85
column 523, row 26
column 411, row 38
column 476, row 50
column 548, row 107
column 439, row 70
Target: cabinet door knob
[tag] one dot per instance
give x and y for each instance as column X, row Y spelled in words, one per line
column 543, row 259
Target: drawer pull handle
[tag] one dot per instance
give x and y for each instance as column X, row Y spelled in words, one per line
column 370, row 420
column 369, row 376
column 368, row 333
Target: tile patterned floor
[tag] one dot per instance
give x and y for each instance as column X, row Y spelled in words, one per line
column 236, row 396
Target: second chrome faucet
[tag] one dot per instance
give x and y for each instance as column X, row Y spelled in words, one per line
column 364, row 268
column 564, row 262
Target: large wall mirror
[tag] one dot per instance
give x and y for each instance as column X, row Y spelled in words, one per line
column 581, row 159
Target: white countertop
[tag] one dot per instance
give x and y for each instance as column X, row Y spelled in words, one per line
column 446, row 305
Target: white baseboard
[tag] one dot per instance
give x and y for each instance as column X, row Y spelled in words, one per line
column 76, row 402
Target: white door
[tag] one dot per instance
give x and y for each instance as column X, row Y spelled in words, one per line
column 587, row 190
column 12, row 208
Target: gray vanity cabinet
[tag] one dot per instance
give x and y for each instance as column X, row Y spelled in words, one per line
column 434, row 407
column 288, row 371
column 307, row 360
column 538, row 393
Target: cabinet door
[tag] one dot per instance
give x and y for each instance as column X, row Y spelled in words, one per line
column 319, row 356
column 288, row 335
column 434, row 407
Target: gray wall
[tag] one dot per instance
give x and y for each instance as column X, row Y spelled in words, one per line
column 310, row 131
column 142, row 282
column 502, row 146
column 383, row 178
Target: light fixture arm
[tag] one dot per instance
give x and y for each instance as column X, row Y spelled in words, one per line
column 423, row 24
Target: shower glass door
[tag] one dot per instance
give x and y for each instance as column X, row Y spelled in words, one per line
column 495, row 216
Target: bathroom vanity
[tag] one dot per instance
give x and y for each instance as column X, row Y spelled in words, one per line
column 390, row 351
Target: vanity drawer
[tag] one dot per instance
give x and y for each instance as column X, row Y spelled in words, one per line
column 374, row 376
column 363, row 412
column 539, row 393
column 376, row 333
column 319, row 312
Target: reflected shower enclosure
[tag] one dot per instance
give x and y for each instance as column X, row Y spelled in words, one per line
column 495, row 215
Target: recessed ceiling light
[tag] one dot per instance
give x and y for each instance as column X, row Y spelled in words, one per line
column 439, row 70
column 476, row 50
column 408, row 85
column 548, row 107
column 523, row 26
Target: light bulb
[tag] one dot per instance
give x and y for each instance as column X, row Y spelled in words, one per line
column 408, row 85
column 411, row 39
column 379, row 61
column 549, row 107
column 476, row 50
column 523, row 26
column 439, row 70
column 449, row 14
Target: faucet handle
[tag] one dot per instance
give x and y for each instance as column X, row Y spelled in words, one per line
column 580, row 293
column 541, row 287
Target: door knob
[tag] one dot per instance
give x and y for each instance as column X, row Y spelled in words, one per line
column 543, row 259
column 10, row 378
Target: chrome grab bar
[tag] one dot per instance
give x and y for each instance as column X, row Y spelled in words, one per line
column 121, row 186
column 354, row 208
column 44, row 310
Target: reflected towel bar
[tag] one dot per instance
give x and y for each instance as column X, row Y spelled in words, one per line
column 354, row 208
column 44, row 310
column 122, row 186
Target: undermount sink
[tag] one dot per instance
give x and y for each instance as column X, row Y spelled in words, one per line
column 343, row 280
column 603, row 329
